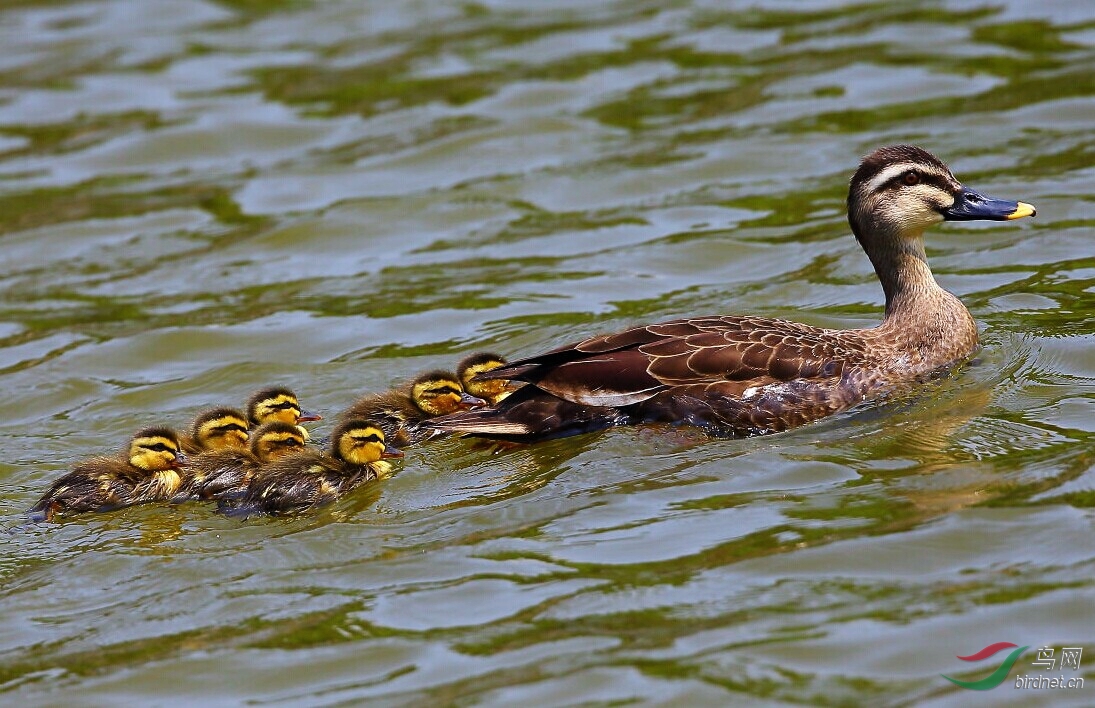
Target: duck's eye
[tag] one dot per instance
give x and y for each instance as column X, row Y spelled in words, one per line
column 911, row 178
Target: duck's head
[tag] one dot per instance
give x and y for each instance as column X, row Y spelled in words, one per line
column 219, row 428
column 360, row 442
column 901, row 190
column 272, row 440
column 491, row 390
column 277, row 404
column 155, row 450
column 440, row 392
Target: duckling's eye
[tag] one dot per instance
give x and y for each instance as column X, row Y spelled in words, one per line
column 442, row 390
column 231, row 427
column 367, row 439
column 911, row 178
column 161, row 447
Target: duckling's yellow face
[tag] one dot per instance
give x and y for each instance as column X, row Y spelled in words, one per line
column 273, row 441
column 441, row 395
column 222, row 432
column 491, row 389
column 362, row 445
column 281, row 407
column 154, row 453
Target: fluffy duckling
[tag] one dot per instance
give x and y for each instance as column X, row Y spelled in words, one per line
column 309, row 479
column 490, row 390
column 278, row 403
column 216, row 429
column 401, row 411
column 222, row 473
column 146, row 471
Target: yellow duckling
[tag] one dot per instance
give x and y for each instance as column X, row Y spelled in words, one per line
column 223, row 473
column 401, row 411
column 146, row 471
column 490, row 390
column 278, row 403
column 216, row 429
column 308, row 479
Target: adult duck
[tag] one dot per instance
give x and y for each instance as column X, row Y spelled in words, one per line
column 744, row 375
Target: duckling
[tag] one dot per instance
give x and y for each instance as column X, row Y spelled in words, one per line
column 308, row 479
column 490, row 390
column 216, row 429
column 746, row 375
column 278, row 403
column 222, row 473
column 401, row 411
column 146, row 471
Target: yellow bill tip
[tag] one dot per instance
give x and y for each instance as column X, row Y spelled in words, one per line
column 1023, row 209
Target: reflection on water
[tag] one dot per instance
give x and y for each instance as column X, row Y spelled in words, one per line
column 198, row 199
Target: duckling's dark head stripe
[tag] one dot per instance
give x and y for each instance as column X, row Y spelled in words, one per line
column 276, row 430
column 157, row 435
column 220, row 420
column 439, row 376
column 273, row 397
column 485, row 360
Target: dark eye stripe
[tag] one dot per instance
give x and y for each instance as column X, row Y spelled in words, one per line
column 229, row 427
column 160, row 447
column 445, row 389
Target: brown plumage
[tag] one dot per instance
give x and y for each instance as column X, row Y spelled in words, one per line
column 307, row 479
column 752, row 375
column 401, row 411
column 227, row 472
column 145, row 471
column 216, row 429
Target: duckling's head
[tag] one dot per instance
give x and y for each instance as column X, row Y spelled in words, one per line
column 900, row 190
column 439, row 392
column 155, row 450
column 277, row 403
column 490, row 390
column 360, row 442
column 272, row 440
column 219, row 428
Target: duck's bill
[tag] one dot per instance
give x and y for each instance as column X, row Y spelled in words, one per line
column 970, row 205
column 390, row 451
column 308, row 416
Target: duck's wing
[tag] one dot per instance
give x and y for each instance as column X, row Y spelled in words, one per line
column 636, row 364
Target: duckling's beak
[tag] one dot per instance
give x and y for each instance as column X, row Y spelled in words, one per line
column 308, row 416
column 970, row 205
column 390, row 451
column 469, row 401
column 178, row 461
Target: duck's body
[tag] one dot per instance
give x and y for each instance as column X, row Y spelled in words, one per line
column 216, row 429
column 308, row 479
column 225, row 473
column 147, row 471
column 738, row 375
column 401, row 412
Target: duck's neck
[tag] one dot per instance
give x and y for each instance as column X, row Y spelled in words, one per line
column 920, row 314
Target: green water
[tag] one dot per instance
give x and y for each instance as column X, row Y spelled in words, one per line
column 198, row 199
